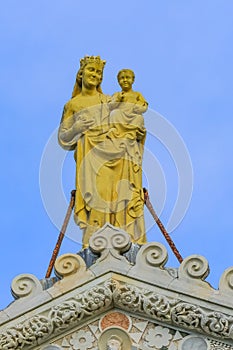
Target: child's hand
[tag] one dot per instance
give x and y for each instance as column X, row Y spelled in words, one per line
column 120, row 97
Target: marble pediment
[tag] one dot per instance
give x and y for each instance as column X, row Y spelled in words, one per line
column 124, row 287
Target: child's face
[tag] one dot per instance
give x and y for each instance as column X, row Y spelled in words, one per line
column 126, row 80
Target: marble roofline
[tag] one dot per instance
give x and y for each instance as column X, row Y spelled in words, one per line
column 180, row 298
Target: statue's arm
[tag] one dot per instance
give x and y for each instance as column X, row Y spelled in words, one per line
column 66, row 135
column 141, row 105
column 115, row 100
column 71, row 129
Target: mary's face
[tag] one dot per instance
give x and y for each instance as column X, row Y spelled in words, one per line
column 92, row 75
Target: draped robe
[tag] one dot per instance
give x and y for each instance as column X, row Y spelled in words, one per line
column 108, row 170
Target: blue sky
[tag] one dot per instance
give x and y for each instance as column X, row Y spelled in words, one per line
column 181, row 52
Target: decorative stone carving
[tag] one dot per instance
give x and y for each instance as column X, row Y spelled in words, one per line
column 226, row 281
column 127, row 296
column 115, row 319
column 158, row 337
column 216, row 345
column 149, row 266
column 135, row 299
column 82, row 340
column 186, row 315
column 27, row 333
column 194, row 342
column 109, row 240
column 158, row 306
column 39, row 328
column 143, row 334
column 25, row 285
column 114, row 338
column 152, row 254
column 171, row 310
column 194, row 267
column 51, row 347
column 69, row 264
column 194, row 317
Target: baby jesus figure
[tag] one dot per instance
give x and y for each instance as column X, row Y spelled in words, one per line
column 128, row 105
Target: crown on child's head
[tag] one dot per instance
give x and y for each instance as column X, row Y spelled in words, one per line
column 92, row 59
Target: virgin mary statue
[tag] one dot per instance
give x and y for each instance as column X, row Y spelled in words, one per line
column 108, row 163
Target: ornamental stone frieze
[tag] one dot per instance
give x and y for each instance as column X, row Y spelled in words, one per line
column 127, row 279
column 143, row 335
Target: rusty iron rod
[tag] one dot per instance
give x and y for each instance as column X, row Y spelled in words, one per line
column 61, row 235
column 160, row 225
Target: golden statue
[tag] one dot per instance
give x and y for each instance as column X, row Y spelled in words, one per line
column 108, row 152
column 128, row 104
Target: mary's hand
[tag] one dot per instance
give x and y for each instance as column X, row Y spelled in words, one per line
column 82, row 125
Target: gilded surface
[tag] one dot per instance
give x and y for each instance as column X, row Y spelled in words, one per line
column 107, row 135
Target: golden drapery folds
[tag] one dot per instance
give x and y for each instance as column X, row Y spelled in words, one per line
column 108, row 153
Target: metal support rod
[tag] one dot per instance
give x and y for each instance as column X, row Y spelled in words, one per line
column 161, row 227
column 61, row 235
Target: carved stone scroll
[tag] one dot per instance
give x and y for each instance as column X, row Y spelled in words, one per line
column 226, row 281
column 109, row 238
column 110, row 242
column 25, row 285
column 194, row 267
column 152, row 254
column 69, row 264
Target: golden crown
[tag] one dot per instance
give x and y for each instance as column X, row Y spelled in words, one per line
column 92, row 59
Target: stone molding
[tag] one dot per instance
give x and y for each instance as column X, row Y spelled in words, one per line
column 144, row 334
column 148, row 288
column 42, row 326
column 174, row 311
column 125, row 296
